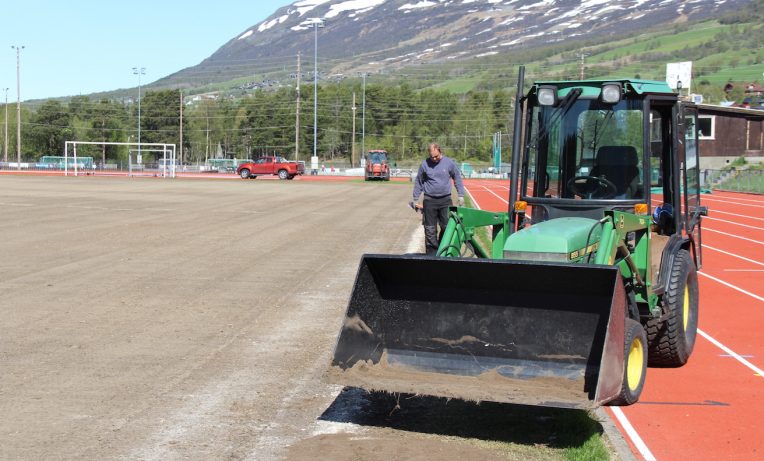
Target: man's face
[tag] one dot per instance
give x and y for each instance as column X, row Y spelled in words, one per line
column 435, row 154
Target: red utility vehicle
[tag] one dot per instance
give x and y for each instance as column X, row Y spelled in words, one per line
column 270, row 165
column 377, row 166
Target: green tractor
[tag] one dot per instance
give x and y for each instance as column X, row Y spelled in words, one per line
column 566, row 298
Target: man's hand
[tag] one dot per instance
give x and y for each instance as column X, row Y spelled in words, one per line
column 415, row 206
column 461, row 201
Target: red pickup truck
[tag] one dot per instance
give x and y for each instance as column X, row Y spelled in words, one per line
column 270, row 165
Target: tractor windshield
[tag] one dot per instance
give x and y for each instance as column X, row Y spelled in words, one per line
column 377, row 157
column 586, row 150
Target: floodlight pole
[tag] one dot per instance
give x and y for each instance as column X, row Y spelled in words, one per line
column 317, row 22
column 139, row 71
column 5, row 151
column 363, row 117
column 18, row 104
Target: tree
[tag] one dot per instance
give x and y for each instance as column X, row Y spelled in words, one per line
column 50, row 129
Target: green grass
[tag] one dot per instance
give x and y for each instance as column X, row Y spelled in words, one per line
column 740, row 73
column 458, row 85
column 752, row 182
column 482, row 235
column 665, row 41
column 516, row 432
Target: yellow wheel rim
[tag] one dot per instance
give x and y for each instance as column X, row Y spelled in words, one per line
column 686, row 308
column 636, row 361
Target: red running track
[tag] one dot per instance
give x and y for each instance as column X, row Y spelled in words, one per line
column 711, row 408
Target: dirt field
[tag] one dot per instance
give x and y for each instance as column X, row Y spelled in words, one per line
column 169, row 319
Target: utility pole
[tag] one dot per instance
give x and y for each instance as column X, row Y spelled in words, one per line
column 207, row 145
column 465, row 141
column 353, row 153
column 5, row 151
column 181, row 128
column 18, row 104
column 363, row 117
column 297, row 117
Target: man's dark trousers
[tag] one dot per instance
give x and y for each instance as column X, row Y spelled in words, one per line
column 435, row 213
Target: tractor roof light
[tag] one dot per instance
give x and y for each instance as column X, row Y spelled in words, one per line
column 611, row 93
column 520, row 206
column 547, row 95
column 640, row 209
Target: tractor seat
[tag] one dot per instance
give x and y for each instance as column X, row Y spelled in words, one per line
column 619, row 164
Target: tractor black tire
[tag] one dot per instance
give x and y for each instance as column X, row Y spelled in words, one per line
column 244, row 173
column 283, row 174
column 670, row 342
column 634, row 363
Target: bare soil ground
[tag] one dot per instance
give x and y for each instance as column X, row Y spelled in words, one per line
column 182, row 319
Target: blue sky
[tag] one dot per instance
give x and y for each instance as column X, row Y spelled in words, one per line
column 84, row 46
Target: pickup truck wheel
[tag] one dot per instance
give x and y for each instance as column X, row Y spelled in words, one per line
column 244, row 173
column 283, row 174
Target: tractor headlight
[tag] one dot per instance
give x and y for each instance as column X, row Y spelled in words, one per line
column 611, row 93
column 547, row 95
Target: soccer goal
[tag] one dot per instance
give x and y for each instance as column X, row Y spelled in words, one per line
column 162, row 153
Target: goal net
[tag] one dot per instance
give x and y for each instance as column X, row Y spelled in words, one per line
column 144, row 158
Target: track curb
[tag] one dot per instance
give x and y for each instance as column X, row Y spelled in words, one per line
column 615, row 438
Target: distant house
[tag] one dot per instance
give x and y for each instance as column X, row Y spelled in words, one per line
column 754, row 89
column 726, row 133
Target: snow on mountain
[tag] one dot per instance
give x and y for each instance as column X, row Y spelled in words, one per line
column 389, row 33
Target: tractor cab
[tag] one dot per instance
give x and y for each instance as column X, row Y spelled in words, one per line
column 591, row 146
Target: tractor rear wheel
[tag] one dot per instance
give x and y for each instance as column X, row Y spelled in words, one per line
column 671, row 341
column 634, row 363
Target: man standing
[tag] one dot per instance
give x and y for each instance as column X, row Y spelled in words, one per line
column 434, row 179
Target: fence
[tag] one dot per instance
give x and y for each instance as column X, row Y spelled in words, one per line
column 748, row 180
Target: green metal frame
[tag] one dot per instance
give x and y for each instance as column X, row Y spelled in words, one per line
column 461, row 228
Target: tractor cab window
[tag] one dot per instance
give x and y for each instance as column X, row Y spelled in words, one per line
column 589, row 151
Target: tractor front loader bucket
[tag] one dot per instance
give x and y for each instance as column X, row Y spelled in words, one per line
column 476, row 329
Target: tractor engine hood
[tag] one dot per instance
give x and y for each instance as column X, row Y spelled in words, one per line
column 559, row 240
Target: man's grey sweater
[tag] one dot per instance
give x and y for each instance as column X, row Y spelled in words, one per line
column 434, row 178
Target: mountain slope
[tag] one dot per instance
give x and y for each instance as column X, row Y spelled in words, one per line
column 383, row 35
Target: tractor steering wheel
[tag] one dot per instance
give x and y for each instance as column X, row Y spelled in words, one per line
column 592, row 187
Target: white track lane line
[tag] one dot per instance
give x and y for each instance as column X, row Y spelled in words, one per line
column 754, row 296
column 633, row 435
column 733, row 354
column 715, row 211
column 733, row 255
column 472, row 199
column 739, row 198
column 734, row 223
column 497, row 195
column 730, row 202
column 733, row 235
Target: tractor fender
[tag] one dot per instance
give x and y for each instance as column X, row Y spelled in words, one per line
column 676, row 242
